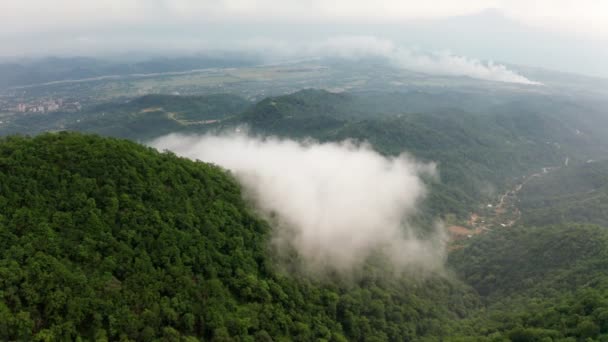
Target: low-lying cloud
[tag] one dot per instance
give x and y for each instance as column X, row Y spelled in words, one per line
column 445, row 63
column 337, row 204
column 356, row 47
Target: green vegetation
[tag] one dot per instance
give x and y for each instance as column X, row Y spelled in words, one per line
column 539, row 284
column 154, row 115
column 103, row 239
column 305, row 113
column 573, row 193
column 53, row 69
column 479, row 154
column 474, row 153
column 189, row 108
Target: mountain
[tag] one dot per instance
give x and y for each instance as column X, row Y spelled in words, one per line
column 479, row 152
column 483, row 145
column 141, row 118
column 301, row 114
column 538, row 284
column 576, row 192
column 104, row 239
column 153, row 115
column 58, row 69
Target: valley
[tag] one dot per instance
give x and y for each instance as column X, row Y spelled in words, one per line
column 303, row 171
column 502, row 214
column 174, row 249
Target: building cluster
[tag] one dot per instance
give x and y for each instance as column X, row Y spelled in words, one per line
column 48, row 106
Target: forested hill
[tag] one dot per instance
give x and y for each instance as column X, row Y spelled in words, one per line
column 538, row 283
column 104, row 239
column 577, row 192
column 483, row 145
column 150, row 116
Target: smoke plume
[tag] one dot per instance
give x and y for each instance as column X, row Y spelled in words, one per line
column 356, row 47
column 335, row 203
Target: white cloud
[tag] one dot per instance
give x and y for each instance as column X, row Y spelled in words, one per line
column 443, row 63
column 335, row 203
column 453, row 65
column 356, row 47
column 580, row 16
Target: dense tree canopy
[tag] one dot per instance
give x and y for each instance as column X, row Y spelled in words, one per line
column 103, row 239
column 538, row 284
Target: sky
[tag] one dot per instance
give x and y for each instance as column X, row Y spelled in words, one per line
column 559, row 34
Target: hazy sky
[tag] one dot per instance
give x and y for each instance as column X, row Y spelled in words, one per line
column 557, row 34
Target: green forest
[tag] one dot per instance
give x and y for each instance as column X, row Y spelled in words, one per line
column 104, row 239
column 482, row 145
column 577, row 193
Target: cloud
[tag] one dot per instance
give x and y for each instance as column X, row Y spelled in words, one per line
column 335, row 203
column 347, row 47
column 449, row 64
column 572, row 33
column 443, row 63
column 583, row 16
column 356, row 47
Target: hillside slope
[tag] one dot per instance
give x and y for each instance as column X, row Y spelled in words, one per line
column 483, row 146
column 105, row 239
column 574, row 193
column 154, row 115
column 538, row 283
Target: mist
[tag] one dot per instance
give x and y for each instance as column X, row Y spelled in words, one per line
column 336, row 204
column 271, row 51
column 441, row 63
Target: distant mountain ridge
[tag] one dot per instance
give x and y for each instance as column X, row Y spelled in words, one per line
column 53, row 69
column 481, row 145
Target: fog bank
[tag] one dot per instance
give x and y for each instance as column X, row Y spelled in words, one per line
column 335, row 203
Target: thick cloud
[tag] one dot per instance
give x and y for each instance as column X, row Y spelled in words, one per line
column 335, row 203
